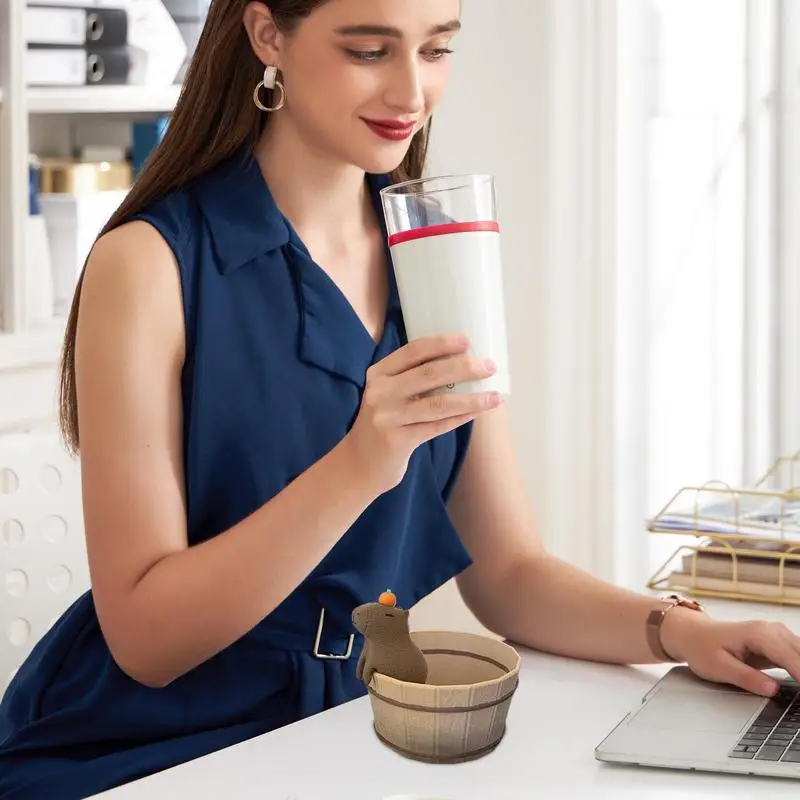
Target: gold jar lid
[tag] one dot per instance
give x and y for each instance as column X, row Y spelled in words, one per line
column 65, row 176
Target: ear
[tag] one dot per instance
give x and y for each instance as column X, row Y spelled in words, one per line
column 265, row 38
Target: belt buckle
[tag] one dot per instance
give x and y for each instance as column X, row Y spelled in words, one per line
column 336, row 656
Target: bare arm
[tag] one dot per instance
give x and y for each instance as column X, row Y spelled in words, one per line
column 150, row 588
column 526, row 595
column 560, row 609
column 520, row 591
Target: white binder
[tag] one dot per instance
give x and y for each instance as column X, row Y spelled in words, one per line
column 75, row 26
column 76, row 66
column 55, row 67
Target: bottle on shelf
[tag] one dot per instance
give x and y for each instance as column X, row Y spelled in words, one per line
column 38, row 267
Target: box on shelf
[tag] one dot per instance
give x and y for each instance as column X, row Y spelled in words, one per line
column 38, row 269
column 73, row 222
column 77, row 200
column 65, row 176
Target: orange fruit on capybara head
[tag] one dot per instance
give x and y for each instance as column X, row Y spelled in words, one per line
column 387, row 598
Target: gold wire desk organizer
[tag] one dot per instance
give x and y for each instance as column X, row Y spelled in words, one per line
column 785, row 472
column 745, row 541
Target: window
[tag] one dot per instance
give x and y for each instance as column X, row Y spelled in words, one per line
column 708, row 357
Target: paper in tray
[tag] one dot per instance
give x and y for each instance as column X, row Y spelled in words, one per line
column 720, row 510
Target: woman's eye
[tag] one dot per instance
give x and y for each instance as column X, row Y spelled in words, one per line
column 435, row 55
column 374, row 55
column 366, row 55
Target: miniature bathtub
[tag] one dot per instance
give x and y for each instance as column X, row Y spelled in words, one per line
column 460, row 713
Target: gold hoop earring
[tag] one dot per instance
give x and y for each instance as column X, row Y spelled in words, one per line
column 271, row 83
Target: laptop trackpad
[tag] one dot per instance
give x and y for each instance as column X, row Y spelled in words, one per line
column 699, row 712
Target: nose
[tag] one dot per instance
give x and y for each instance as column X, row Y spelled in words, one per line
column 405, row 91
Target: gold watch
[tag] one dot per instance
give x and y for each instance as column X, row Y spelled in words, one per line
column 655, row 619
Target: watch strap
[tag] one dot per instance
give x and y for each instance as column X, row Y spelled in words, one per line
column 655, row 620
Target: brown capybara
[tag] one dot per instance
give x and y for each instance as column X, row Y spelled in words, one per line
column 388, row 647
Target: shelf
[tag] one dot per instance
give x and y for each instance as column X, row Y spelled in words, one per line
column 102, row 99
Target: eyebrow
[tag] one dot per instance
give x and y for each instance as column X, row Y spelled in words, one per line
column 395, row 33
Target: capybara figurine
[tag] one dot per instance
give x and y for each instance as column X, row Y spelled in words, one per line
column 388, row 647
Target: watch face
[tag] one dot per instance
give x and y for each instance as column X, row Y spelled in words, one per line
column 686, row 602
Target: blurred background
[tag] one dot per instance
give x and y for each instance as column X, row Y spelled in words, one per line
column 647, row 158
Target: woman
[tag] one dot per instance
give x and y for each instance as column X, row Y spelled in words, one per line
column 257, row 458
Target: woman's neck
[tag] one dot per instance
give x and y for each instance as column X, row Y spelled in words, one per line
column 320, row 197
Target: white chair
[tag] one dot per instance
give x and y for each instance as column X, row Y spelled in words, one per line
column 43, row 564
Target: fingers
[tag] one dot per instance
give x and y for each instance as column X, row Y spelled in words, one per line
column 753, row 680
column 444, row 406
column 399, row 388
column 782, row 648
column 425, row 431
column 445, row 371
column 774, row 642
column 768, row 644
column 420, row 351
column 794, row 641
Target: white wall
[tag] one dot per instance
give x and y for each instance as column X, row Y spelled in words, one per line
column 523, row 107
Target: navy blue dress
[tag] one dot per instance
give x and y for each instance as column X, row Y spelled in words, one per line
column 275, row 368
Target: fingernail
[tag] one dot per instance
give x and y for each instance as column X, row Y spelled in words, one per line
column 490, row 365
column 495, row 400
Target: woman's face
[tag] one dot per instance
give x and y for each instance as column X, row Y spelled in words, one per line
column 362, row 76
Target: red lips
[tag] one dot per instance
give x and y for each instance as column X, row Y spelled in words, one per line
column 391, row 129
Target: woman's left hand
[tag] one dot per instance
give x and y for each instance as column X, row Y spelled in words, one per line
column 731, row 652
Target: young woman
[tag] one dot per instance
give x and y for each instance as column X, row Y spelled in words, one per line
column 258, row 453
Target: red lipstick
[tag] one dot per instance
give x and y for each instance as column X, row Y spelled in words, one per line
column 392, row 130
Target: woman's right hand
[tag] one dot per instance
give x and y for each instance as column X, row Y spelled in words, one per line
column 397, row 414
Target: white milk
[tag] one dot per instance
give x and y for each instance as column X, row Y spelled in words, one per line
column 452, row 283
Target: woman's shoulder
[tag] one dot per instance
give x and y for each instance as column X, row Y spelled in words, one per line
column 131, row 280
column 120, row 253
column 154, row 231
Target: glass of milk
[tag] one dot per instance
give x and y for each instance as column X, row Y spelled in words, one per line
column 445, row 244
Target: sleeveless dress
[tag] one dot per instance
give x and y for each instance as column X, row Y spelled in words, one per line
column 275, row 367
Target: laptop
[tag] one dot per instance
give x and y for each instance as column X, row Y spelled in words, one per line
column 684, row 722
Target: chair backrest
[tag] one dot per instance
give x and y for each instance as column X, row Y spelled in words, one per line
column 43, row 564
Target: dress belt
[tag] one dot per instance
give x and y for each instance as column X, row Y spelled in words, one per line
column 338, row 647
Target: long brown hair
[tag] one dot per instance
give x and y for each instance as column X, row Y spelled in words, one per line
column 214, row 116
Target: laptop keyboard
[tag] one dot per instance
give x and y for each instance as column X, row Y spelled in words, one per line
column 773, row 734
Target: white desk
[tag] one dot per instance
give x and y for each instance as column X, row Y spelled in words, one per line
column 562, row 709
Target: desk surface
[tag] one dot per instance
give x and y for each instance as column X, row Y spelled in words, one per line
column 561, row 710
